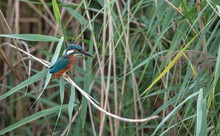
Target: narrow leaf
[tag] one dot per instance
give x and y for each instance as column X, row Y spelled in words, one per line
column 201, row 124
column 71, row 102
column 77, row 16
column 56, row 12
column 27, row 82
column 31, row 118
column 54, row 59
column 31, row 37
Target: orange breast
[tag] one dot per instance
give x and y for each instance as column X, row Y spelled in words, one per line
column 71, row 62
column 67, row 68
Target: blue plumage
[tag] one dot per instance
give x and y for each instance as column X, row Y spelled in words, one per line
column 66, row 61
column 75, row 47
column 60, row 64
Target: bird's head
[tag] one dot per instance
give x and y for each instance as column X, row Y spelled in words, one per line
column 76, row 49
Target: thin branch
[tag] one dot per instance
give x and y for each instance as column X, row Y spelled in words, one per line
column 104, row 111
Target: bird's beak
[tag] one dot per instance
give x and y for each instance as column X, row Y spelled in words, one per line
column 86, row 53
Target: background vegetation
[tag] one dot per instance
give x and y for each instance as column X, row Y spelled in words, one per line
column 150, row 58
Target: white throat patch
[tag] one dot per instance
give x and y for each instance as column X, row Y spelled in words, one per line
column 69, row 52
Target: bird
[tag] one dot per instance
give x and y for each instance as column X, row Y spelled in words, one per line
column 66, row 61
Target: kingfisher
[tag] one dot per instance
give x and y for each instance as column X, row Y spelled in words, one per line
column 66, row 61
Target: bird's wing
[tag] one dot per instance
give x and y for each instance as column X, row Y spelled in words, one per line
column 60, row 64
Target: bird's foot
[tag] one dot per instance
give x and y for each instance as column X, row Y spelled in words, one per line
column 65, row 75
